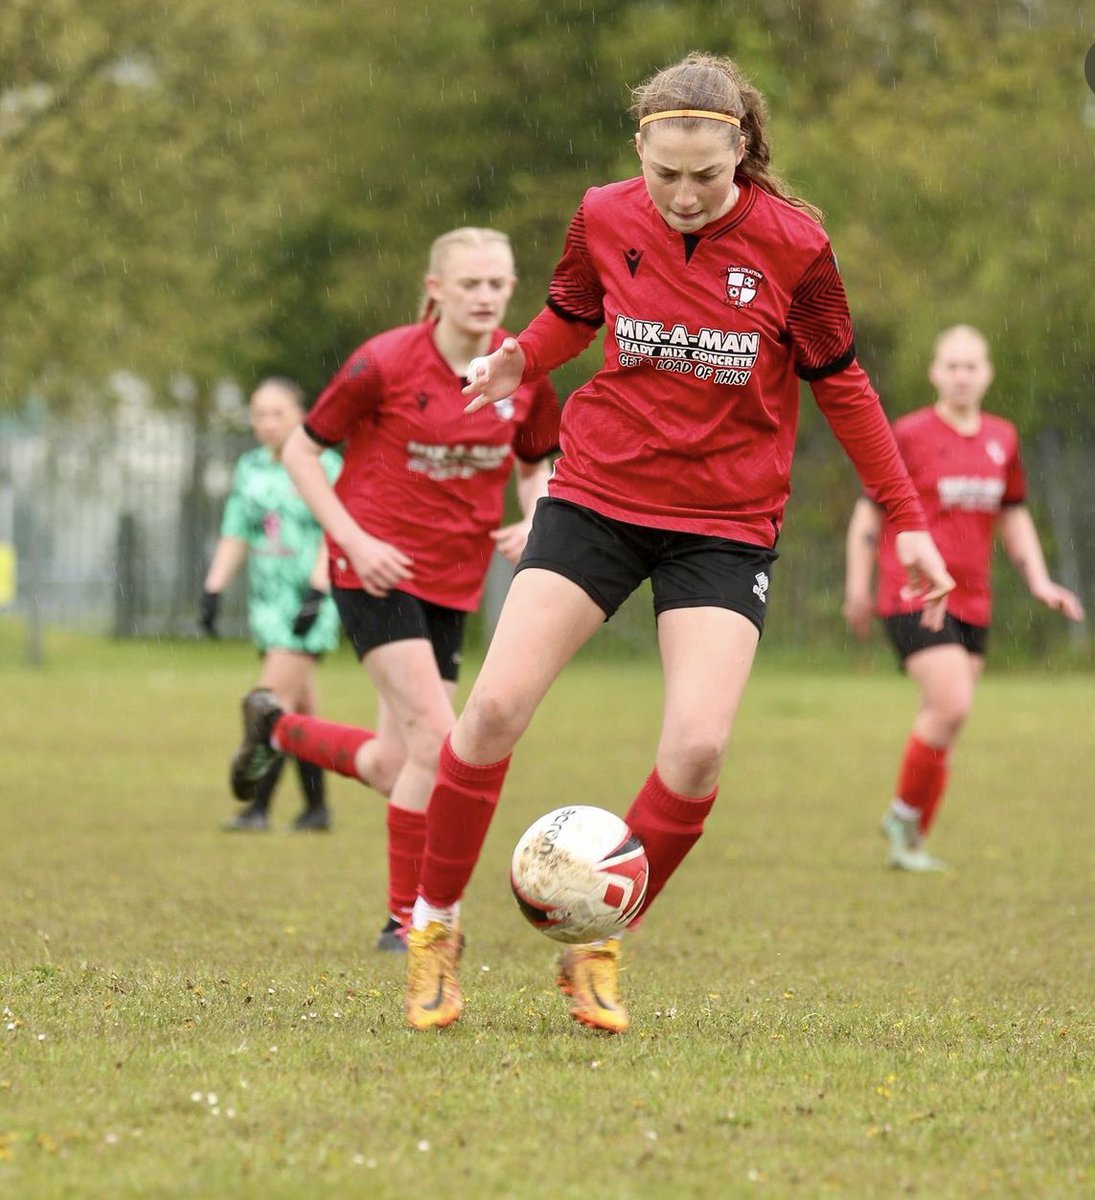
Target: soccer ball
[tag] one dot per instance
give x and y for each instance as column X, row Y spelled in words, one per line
column 579, row 874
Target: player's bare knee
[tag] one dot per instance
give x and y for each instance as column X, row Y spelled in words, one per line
column 488, row 720
column 424, row 745
column 949, row 715
column 378, row 764
column 694, row 764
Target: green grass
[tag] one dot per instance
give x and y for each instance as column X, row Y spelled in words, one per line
column 195, row 1014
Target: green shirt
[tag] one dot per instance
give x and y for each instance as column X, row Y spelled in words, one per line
column 283, row 539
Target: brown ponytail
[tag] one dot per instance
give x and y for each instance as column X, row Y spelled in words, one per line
column 717, row 85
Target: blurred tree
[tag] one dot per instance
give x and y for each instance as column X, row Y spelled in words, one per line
column 956, row 174
column 215, row 191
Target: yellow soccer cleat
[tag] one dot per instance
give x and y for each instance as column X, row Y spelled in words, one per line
column 433, row 994
column 589, row 975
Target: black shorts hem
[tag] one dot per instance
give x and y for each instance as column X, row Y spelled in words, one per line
column 711, row 602
column 575, row 577
column 908, row 636
column 372, row 621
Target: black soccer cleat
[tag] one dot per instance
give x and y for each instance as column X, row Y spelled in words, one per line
column 312, row 820
column 250, row 820
column 255, row 755
column 393, row 937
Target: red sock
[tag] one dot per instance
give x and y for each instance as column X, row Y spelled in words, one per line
column 330, row 746
column 922, row 779
column 669, row 825
column 406, row 847
column 461, row 806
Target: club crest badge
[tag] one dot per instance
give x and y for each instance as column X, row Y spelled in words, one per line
column 505, row 408
column 996, row 452
column 741, row 285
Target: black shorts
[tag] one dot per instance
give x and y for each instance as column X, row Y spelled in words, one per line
column 370, row 622
column 608, row 560
column 908, row 636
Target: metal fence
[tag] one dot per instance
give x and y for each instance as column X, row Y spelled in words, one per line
column 108, row 523
column 111, row 521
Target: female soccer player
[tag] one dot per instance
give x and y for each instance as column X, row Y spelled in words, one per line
column 291, row 618
column 412, row 524
column 965, row 464
column 718, row 292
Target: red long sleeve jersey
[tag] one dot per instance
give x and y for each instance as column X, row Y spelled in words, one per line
column 690, row 423
column 963, row 480
column 419, row 472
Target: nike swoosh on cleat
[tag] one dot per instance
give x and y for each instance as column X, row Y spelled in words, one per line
column 606, row 1007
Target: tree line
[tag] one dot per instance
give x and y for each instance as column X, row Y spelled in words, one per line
column 221, row 191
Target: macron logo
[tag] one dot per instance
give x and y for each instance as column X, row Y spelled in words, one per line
column 633, row 257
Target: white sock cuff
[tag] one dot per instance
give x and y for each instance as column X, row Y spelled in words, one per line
column 424, row 912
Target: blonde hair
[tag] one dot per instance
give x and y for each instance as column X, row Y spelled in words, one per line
column 960, row 331
column 717, row 85
column 468, row 235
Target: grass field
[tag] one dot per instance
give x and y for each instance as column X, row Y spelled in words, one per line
column 188, row 1013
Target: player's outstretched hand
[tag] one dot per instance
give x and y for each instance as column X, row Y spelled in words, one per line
column 308, row 613
column 510, row 540
column 929, row 580
column 495, row 376
column 207, row 613
column 379, row 565
column 1060, row 599
column 857, row 611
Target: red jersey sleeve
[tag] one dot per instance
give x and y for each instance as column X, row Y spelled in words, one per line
column 576, row 292
column 575, row 307
column 821, row 334
column 538, row 434
column 352, row 395
column 852, row 408
column 1015, row 481
column 819, row 322
column 549, row 341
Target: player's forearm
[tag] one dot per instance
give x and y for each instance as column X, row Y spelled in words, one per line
column 301, row 458
column 227, row 558
column 549, row 341
column 320, row 578
column 531, row 483
column 855, row 415
column 861, row 548
column 1023, row 546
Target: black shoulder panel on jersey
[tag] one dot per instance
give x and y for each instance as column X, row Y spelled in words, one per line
column 321, row 441
column 830, row 368
column 563, row 315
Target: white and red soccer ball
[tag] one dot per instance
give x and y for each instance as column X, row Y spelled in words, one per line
column 579, row 874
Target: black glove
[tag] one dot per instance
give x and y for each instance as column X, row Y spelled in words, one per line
column 309, row 611
column 207, row 614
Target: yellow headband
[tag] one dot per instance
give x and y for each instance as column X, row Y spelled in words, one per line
column 688, row 112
